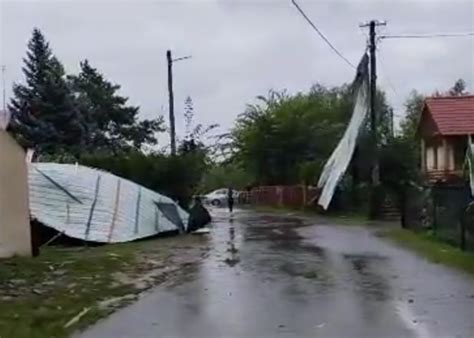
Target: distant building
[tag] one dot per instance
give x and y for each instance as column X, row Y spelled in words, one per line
column 444, row 127
column 15, row 236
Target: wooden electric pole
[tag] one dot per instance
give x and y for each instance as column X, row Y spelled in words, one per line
column 373, row 95
column 171, row 97
column 171, row 103
column 4, row 90
column 375, row 176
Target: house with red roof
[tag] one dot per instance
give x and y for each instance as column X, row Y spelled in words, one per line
column 444, row 127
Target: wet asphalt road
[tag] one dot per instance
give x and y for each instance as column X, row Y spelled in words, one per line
column 279, row 276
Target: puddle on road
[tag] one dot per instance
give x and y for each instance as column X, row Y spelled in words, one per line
column 302, row 270
column 270, row 249
column 266, row 277
column 232, row 261
column 232, row 251
column 367, row 279
column 275, row 250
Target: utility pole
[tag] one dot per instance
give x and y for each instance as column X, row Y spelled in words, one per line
column 171, row 98
column 171, row 102
column 391, row 123
column 375, row 177
column 4, row 89
column 373, row 94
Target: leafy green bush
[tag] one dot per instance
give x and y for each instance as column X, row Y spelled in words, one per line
column 225, row 175
column 174, row 176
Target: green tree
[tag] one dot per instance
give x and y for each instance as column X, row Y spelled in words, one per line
column 413, row 109
column 175, row 176
column 44, row 116
column 399, row 163
column 459, row 88
column 287, row 138
column 194, row 138
column 414, row 106
column 111, row 124
column 188, row 114
column 224, row 175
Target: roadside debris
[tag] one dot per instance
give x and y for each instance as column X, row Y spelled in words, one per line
column 198, row 216
column 96, row 206
column 202, row 231
column 62, row 282
column 116, row 302
column 76, row 318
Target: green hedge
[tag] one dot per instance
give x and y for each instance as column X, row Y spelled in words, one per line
column 174, row 176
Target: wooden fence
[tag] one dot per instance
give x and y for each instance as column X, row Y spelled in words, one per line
column 281, row 195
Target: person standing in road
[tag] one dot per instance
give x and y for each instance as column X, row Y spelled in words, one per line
column 230, row 199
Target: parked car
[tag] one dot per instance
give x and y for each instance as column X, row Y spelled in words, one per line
column 218, row 197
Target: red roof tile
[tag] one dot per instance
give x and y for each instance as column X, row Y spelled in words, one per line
column 453, row 115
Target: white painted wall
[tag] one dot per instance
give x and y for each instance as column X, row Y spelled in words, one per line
column 15, row 232
column 441, row 158
column 430, row 158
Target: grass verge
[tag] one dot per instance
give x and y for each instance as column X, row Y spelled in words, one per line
column 38, row 296
column 433, row 249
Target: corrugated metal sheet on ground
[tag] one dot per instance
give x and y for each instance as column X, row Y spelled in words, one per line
column 97, row 206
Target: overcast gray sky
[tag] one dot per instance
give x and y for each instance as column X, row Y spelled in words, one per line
column 241, row 48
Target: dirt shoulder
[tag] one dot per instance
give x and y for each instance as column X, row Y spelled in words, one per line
column 66, row 289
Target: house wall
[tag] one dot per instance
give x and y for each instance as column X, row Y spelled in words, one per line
column 440, row 153
column 427, row 131
column 449, row 155
column 430, row 158
column 15, row 233
column 427, row 127
column 441, row 156
column 433, row 153
column 444, row 158
column 459, row 148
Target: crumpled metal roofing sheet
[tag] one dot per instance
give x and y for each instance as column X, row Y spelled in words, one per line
column 94, row 205
column 340, row 158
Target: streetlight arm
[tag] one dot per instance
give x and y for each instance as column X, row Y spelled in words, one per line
column 182, row 58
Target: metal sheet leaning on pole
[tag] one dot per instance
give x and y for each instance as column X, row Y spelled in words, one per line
column 470, row 162
column 97, row 206
column 339, row 160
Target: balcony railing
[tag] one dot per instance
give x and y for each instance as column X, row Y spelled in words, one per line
column 444, row 175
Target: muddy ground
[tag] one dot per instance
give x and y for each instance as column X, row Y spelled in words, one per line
column 42, row 297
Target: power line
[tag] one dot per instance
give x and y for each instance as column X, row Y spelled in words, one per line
column 385, row 74
column 427, row 36
column 362, row 31
column 321, row 34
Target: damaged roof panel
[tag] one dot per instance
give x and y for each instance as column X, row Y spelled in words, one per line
column 95, row 205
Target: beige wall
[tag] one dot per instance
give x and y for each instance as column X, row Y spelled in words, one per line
column 450, row 156
column 430, row 158
column 438, row 155
column 15, row 234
